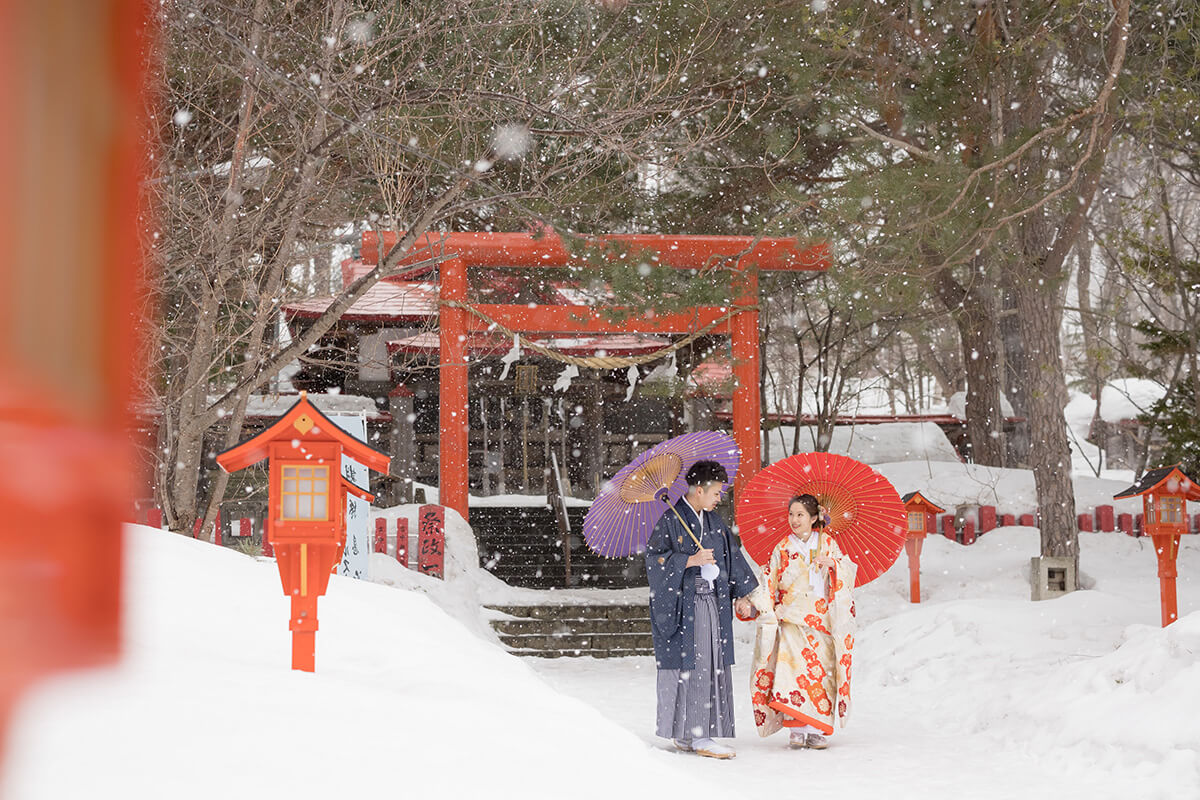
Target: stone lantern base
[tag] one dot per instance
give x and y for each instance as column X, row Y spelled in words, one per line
column 1052, row 576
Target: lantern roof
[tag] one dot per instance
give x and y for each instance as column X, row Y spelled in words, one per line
column 918, row 499
column 317, row 427
column 1164, row 480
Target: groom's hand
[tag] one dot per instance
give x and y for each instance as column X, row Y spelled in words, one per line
column 743, row 607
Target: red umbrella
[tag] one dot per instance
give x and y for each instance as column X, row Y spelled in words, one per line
column 866, row 516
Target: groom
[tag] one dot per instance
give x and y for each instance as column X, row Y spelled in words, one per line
column 691, row 597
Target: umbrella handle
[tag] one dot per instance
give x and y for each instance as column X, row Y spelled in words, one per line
column 685, row 526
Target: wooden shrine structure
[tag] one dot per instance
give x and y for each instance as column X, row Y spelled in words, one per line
column 740, row 257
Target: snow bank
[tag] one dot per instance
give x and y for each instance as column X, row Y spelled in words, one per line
column 404, row 700
column 1011, row 491
column 871, row 444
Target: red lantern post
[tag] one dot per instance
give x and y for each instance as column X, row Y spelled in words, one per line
column 1164, row 494
column 306, row 507
column 922, row 516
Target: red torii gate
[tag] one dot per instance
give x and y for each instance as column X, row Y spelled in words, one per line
column 738, row 254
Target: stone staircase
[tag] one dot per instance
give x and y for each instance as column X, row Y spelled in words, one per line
column 555, row 631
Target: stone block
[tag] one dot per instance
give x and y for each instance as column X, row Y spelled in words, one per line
column 1052, row 576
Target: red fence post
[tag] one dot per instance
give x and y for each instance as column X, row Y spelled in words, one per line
column 1138, row 528
column 381, row 535
column 968, row 532
column 154, row 517
column 987, row 518
column 1085, row 522
column 244, row 529
column 1007, row 520
column 402, row 541
column 1027, row 520
column 431, row 549
column 196, row 529
column 1125, row 523
column 948, row 527
column 267, row 549
column 1104, row 518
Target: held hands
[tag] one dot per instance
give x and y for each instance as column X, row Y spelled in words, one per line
column 825, row 562
column 701, row 557
column 744, row 608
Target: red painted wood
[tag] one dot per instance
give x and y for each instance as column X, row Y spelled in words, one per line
column 1105, row 519
column 154, row 517
column 548, row 250
column 1138, row 528
column 245, row 528
column 1125, row 523
column 912, row 546
column 431, row 547
column 452, row 411
column 1028, row 521
column 1007, row 520
column 196, row 528
column 746, row 397
column 381, row 535
column 1085, row 522
column 948, row 527
column 987, row 518
column 968, row 535
column 1166, row 549
column 268, row 549
column 402, row 541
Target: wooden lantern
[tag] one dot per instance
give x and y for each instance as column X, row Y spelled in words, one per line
column 922, row 518
column 306, row 523
column 1165, row 492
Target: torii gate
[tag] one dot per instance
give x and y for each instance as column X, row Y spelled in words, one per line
column 739, row 254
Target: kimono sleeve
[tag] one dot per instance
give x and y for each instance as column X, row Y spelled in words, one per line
column 846, row 571
column 742, row 580
column 665, row 567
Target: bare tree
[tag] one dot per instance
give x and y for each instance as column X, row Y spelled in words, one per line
column 281, row 124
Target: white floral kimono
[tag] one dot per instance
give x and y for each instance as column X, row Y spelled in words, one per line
column 805, row 642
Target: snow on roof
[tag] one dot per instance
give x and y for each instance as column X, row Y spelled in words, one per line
column 386, row 301
column 956, row 406
column 871, row 444
column 272, row 406
column 1125, row 398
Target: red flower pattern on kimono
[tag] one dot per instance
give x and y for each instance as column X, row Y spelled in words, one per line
column 797, row 698
column 759, row 717
column 764, row 679
column 822, row 605
column 814, row 622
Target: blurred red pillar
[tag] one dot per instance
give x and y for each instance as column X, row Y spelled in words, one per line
column 71, row 149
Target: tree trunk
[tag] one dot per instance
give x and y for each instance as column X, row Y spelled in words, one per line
column 973, row 311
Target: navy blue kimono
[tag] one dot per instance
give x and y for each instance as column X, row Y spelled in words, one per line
column 673, row 585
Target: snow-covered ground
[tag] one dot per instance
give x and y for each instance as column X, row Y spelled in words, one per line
column 977, row 692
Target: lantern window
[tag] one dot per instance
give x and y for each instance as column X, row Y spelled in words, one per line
column 1171, row 510
column 916, row 520
column 305, row 492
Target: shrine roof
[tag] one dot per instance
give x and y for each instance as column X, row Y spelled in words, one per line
column 916, row 497
column 1176, row 480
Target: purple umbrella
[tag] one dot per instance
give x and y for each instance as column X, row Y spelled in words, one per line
column 620, row 520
